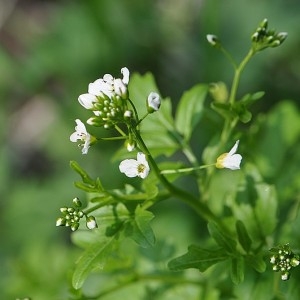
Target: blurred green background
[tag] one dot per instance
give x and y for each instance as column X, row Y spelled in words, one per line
column 51, row 50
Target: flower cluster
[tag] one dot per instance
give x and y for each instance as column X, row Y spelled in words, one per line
column 107, row 97
column 264, row 38
column 283, row 260
column 230, row 160
column 71, row 217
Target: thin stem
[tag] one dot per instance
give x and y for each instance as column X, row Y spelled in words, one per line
column 186, row 197
column 237, row 75
column 186, row 170
column 123, row 134
column 134, row 110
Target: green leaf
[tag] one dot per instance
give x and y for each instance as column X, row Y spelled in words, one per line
column 221, row 238
column 95, row 256
column 266, row 203
column 139, row 228
column 237, row 269
column 197, row 258
column 257, row 262
column 84, row 175
column 190, row 109
column 158, row 122
column 243, row 236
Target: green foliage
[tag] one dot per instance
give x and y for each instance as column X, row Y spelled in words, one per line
column 226, row 219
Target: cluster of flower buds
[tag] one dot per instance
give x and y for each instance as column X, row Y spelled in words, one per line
column 264, row 38
column 107, row 97
column 283, row 260
column 71, row 216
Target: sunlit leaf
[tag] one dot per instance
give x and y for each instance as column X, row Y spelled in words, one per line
column 190, row 109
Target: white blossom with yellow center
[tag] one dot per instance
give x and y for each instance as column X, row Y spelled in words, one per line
column 135, row 167
column 230, row 160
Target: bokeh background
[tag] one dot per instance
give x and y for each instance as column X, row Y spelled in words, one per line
column 51, row 50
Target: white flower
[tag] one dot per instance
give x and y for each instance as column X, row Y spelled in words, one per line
column 82, row 135
column 230, row 160
column 135, row 167
column 213, row 40
column 87, row 100
column 153, row 102
column 125, row 73
column 91, row 222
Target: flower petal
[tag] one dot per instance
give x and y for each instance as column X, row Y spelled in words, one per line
column 232, row 162
column 234, row 148
column 87, row 100
column 125, row 73
column 129, row 167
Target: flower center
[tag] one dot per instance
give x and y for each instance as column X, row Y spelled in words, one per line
column 141, row 168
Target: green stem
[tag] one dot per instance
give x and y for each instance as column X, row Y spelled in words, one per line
column 237, row 75
column 146, row 277
column 186, row 170
column 186, row 197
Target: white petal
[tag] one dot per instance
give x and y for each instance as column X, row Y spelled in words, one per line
column 232, row 162
column 154, row 101
column 129, row 167
column 87, row 100
column 125, row 73
column 74, row 137
column 95, row 87
column 80, row 128
column 120, row 88
column 234, row 148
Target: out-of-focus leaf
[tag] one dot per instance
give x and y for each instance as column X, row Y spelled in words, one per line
column 190, row 109
column 243, row 235
column 266, row 208
column 197, row 258
column 256, row 262
column 237, row 269
column 84, row 175
column 222, row 239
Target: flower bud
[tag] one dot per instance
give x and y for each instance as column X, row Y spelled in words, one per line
column 91, row 222
column 60, row 222
column 213, row 40
column 74, row 226
column 77, row 202
column 153, row 102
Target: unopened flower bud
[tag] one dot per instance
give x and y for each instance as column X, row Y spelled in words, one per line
column 74, row 226
column 213, row 40
column 77, row 202
column 153, row 102
column 285, row 276
column 60, row 222
column 91, row 222
column 128, row 114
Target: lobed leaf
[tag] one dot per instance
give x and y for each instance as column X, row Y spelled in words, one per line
column 197, row 258
column 221, row 238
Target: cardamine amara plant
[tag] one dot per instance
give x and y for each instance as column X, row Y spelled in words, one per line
column 221, row 168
